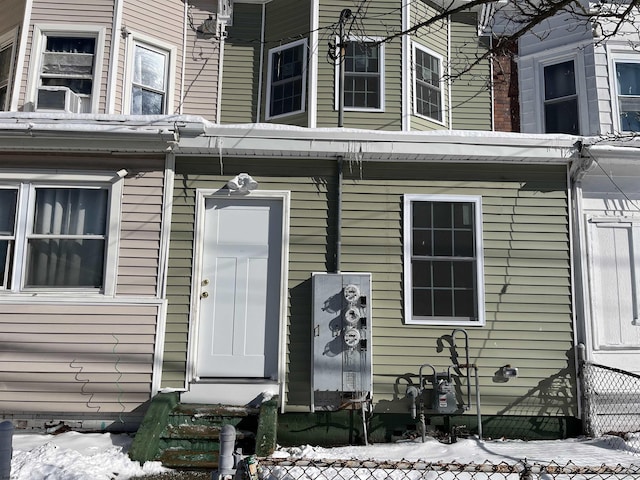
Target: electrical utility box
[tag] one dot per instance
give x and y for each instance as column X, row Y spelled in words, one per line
column 341, row 331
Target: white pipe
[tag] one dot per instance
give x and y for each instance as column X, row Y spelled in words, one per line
column 221, row 35
column 406, row 70
column 312, row 95
column 184, row 55
column 261, row 68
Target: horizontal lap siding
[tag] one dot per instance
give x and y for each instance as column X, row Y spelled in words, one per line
column 162, row 20
column 201, row 66
column 92, row 13
column 435, row 38
column 527, row 282
column 286, row 21
column 376, row 19
column 527, row 276
column 241, row 74
column 72, row 358
column 140, row 233
column 471, row 81
column 310, row 234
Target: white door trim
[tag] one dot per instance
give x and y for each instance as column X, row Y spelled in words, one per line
column 196, row 269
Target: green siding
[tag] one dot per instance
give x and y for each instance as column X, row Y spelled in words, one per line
column 377, row 19
column 286, row 22
column 435, row 38
column 240, row 78
column 527, row 273
column 470, row 89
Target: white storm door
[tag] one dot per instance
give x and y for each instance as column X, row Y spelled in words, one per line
column 240, row 288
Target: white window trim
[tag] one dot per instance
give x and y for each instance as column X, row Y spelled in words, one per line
column 620, row 54
column 151, row 43
column 25, row 184
column 9, row 38
column 407, row 223
column 540, row 63
column 40, row 32
column 381, row 66
column 417, row 46
column 305, row 54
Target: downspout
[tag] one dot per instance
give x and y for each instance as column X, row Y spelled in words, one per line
column 339, row 164
column 19, row 70
column 184, row 55
column 113, row 57
column 261, row 67
column 313, row 65
column 221, row 36
column 449, row 86
column 406, row 72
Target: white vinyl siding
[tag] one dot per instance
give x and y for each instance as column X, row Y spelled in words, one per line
column 443, row 266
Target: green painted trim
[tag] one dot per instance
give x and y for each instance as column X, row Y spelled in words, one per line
column 147, row 440
column 267, row 427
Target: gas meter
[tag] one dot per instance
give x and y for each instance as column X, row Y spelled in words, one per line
column 444, row 394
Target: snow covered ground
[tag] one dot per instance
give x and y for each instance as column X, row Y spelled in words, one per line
column 93, row 456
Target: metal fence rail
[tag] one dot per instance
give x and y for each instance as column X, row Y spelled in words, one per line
column 612, row 402
column 306, row 469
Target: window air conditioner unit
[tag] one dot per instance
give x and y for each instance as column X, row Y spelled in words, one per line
column 58, row 99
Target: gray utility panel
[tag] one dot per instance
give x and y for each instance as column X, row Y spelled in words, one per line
column 341, row 371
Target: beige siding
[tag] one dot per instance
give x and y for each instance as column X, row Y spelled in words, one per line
column 286, row 21
column 240, row 79
column 372, row 26
column 471, row 81
column 527, row 278
column 12, row 14
column 201, row 66
column 162, row 20
column 434, row 37
column 75, row 358
column 73, row 12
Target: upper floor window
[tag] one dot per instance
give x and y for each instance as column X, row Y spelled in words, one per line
column 67, row 68
column 428, row 93
column 150, row 86
column 628, row 92
column 363, row 75
column 57, row 236
column 287, row 78
column 443, row 263
column 6, row 68
column 561, row 99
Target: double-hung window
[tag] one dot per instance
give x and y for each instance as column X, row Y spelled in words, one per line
column 149, row 80
column 628, row 92
column 363, row 75
column 6, row 68
column 66, row 67
column 57, row 236
column 287, row 78
column 561, row 99
column 443, row 263
column 427, row 83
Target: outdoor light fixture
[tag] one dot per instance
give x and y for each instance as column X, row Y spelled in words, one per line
column 242, row 183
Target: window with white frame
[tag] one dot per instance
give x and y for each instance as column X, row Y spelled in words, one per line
column 363, row 75
column 443, row 262
column 427, row 86
column 561, row 98
column 149, row 80
column 628, row 93
column 287, row 82
column 6, row 68
column 67, row 73
column 57, row 236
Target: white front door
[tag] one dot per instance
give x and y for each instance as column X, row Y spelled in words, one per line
column 240, row 289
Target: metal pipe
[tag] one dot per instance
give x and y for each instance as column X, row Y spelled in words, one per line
column 479, row 415
column 344, row 16
column 226, row 462
column 466, row 349
column 339, row 214
column 6, row 449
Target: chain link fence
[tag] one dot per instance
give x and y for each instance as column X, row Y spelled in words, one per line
column 612, row 403
column 301, row 469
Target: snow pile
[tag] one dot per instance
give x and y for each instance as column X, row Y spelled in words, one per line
column 75, row 456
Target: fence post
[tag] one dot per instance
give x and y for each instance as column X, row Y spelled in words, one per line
column 526, row 473
column 6, row 449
